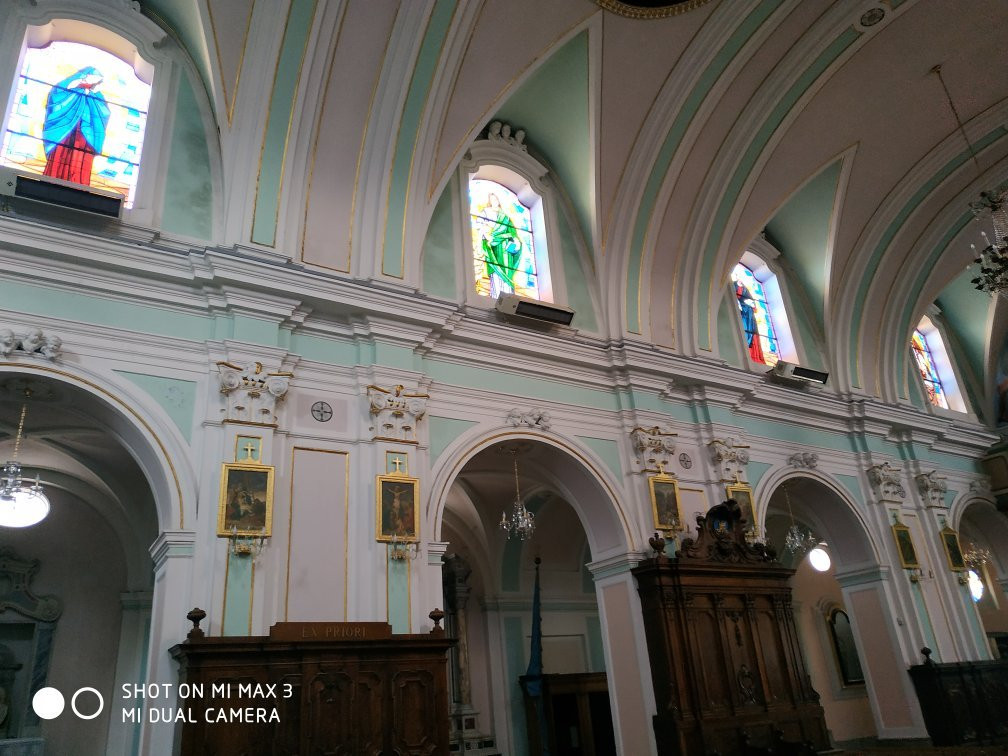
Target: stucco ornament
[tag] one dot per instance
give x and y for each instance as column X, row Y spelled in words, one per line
column 533, row 418
column 498, row 131
column 932, row 487
column 887, row 482
column 252, row 393
column 730, row 458
column 653, row 446
column 33, row 343
column 809, row 460
column 396, row 412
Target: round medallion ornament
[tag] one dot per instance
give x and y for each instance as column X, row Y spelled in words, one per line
column 322, row 411
column 650, row 8
column 872, row 17
column 685, row 461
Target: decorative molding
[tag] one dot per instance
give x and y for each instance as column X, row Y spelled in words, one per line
column 396, row 413
column 730, row 458
column 932, row 487
column 654, row 447
column 252, row 394
column 498, row 131
column 809, row 460
column 32, row 343
column 533, row 418
column 887, row 482
column 16, row 575
column 981, row 486
column 649, row 11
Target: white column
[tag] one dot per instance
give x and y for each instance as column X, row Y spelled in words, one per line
column 628, row 666
column 173, row 560
column 136, row 614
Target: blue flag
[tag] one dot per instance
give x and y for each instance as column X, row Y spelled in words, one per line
column 535, row 668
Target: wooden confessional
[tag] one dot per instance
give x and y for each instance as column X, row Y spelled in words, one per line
column 727, row 668
column 337, row 688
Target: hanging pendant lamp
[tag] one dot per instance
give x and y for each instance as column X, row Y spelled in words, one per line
column 20, row 505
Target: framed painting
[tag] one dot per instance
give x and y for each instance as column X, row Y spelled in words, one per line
column 953, row 552
column 744, row 498
column 398, row 508
column 905, row 546
column 664, row 491
column 246, row 500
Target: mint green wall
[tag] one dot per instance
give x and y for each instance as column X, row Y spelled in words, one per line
column 575, row 277
column 800, row 230
column 238, row 599
column 552, row 106
column 176, row 397
column 727, row 331
column 442, row 431
column 755, row 472
column 514, row 652
column 284, row 89
column 439, row 247
column 398, row 595
column 188, row 200
column 596, row 654
column 608, row 451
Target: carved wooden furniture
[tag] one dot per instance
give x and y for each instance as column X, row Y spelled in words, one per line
column 726, row 665
column 963, row 702
column 339, row 688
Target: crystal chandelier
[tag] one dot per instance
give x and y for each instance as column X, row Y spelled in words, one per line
column 976, row 556
column 20, row 505
column 991, row 208
column 521, row 522
column 797, row 539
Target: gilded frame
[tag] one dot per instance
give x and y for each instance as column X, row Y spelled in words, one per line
column 953, row 550
column 743, row 496
column 245, row 506
column 666, row 508
column 396, row 519
column 905, row 546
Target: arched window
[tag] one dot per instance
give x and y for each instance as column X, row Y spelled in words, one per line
column 512, row 214
column 757, row 322
column 78, row 113
column 935, row 367
column 844, row 647
column 503, row 242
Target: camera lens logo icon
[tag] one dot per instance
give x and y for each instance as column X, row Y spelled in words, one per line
column 49, row 703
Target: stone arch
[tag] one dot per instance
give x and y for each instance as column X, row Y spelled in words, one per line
column 846, row 526
column 144, row 430
column 577, row 472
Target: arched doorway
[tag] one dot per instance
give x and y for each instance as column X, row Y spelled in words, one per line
column 89, row 559
column 983, row 533
column 843, row 609
column 576, row 520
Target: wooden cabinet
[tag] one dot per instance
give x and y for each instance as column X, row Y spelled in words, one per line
column 726, row 665
column 963, row 702
column 310, row 689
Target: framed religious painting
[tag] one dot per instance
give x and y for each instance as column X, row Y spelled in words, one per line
column 246, row 500
column 744, row 498
column 905, row 546
column 953, row 552
column 398, row 508
column 664, row 491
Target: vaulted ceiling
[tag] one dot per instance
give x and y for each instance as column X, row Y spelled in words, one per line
column 677, row 140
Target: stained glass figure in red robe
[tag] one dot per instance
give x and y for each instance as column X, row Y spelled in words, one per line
column 74, row 128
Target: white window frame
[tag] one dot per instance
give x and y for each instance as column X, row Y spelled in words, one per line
column 504, row 159
column 933, row 331
column 761, row 258
column 126, row 33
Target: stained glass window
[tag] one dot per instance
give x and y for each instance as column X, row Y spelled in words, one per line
column 78, row 114
column 503, row 249
column 761, row 338
column 928, row 372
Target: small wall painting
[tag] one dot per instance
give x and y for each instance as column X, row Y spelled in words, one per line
column 665, row 507
column 744, row 498
column 953, row 552
column 398, row 508
column 246, row 500
column 905, row 546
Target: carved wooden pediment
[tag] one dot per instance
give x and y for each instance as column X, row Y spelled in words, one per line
column 721, row 538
